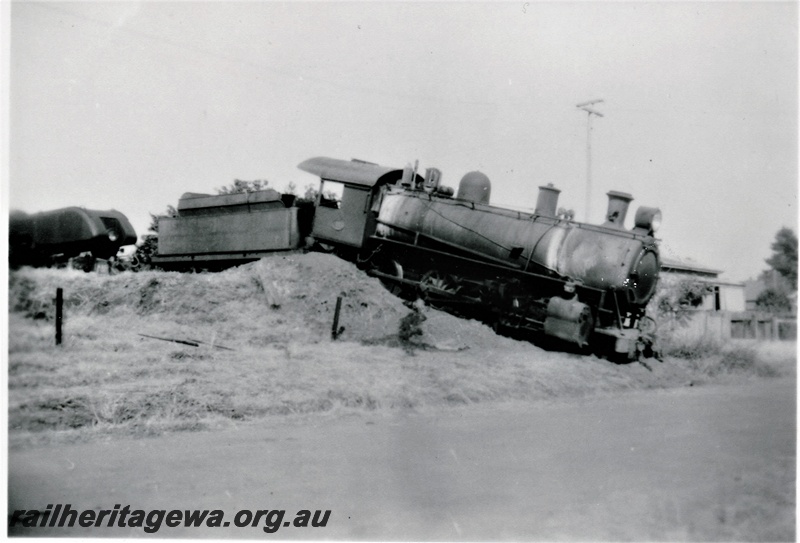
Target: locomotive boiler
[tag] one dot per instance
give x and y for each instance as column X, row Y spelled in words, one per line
column 531, row 272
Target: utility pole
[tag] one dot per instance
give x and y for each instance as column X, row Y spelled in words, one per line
column 586, row 106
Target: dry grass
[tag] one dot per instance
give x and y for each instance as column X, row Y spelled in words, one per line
column 277, row 314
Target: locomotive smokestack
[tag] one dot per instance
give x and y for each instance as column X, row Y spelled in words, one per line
column 617, row 208
column 547, row 201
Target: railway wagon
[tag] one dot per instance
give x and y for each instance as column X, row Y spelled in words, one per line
column 53, row 237
column 218, row 231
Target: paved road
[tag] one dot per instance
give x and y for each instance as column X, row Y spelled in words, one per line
column 696, row 463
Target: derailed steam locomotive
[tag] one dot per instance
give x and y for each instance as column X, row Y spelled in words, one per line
column 534, row 274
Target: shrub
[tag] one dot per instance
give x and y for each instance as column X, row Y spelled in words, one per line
column 690, row 347
column 773, row 301
column 675, row 302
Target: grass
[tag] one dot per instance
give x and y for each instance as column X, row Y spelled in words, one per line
column 691, row 348
column 108, row 379
column 709, row 356
column 123, row 383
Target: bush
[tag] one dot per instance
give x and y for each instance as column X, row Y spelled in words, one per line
column 144, row 253
column 741, row 360
column 675, row 302
column 774, row 301
column 689, row 347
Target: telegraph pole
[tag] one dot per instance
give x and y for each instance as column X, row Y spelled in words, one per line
column 586, row 106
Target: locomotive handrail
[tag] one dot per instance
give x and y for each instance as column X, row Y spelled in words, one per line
column 616, row 308
column 468, row 229
column 487, row 208
column 502, row 262
column 417, row 235
column 624, row 233
column 504, row 266
column 535, row 245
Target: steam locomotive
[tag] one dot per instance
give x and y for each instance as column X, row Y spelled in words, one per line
column 540, row 274
column 53, row 237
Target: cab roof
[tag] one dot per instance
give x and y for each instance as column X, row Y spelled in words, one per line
column 355, row 172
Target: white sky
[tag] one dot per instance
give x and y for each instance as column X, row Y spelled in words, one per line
column 129, row 105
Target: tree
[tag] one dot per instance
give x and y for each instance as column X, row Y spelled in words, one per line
column 784, row 255
column 291, row 188
column 676, row 299
column 310, row 194
column 773, row 301
column 239, row 186
column 171, row 212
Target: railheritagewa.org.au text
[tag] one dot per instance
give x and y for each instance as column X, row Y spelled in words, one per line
column 152, row 520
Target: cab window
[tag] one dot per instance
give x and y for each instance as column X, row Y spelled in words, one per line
column 331, row 194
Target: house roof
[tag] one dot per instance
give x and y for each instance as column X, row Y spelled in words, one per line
column 674, row 265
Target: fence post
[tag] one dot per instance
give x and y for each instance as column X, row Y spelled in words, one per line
column 335, row 330
column 59, row 313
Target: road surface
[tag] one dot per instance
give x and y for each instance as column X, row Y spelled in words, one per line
column 715, row 462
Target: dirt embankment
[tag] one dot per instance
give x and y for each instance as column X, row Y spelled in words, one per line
column 259, row 344
column 272, row 301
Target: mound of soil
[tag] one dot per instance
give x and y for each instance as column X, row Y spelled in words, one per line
column 255, row 341
column 278, row 299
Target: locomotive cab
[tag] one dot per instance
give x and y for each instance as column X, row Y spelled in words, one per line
column 349, row 197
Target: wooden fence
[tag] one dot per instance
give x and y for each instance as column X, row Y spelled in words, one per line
column 724, row 325
column 754, row 325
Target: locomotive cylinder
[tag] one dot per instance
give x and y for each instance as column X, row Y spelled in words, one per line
column 569, row 320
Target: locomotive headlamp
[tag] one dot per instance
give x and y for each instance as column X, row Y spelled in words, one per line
column 112, row 235
column 655, row 222
column 648, row 219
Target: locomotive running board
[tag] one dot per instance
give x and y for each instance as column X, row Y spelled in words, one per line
column 624, row 339
column 215, row 257
column 390, row 277
column 508, row 269
column 442, row 296
column 483, row 258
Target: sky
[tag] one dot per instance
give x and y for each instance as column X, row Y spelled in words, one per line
column 128, row 105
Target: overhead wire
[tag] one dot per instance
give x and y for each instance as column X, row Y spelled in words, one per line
column 239, row 61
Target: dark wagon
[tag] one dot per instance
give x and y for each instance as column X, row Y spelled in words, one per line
column 53, row 237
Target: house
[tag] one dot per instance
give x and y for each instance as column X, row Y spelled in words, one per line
column 727, row 309
column 722, row 295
